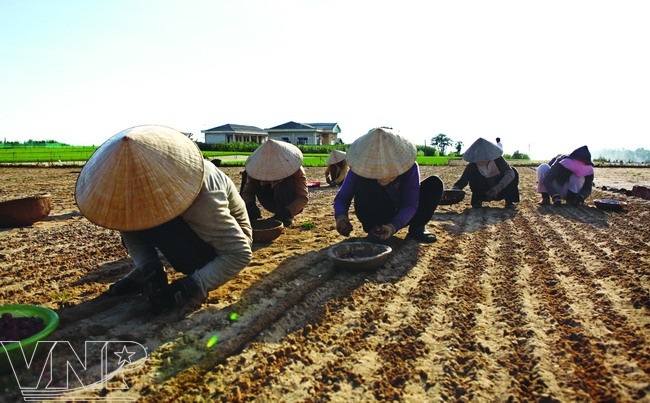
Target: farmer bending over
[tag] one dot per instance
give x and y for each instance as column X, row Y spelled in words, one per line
column 489, row 175
column 336, row 169
column 152, row 184
column 274, row 175
column 384, row 182
column 566, row 177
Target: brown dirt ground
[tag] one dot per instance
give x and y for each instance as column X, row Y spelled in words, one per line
column 540, row 303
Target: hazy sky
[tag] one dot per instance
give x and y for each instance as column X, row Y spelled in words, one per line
column 545, row 76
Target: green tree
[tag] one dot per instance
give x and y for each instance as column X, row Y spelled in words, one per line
column 441, row 142
column 459, row 146
column 519, row 156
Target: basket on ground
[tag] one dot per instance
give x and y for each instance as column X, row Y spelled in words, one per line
column 609, row 204
column 267, row 230
column 13, row 350
column 452, row 196
column 24, row 211
column 359, row 255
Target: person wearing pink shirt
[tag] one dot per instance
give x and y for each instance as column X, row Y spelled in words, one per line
column 566, row 177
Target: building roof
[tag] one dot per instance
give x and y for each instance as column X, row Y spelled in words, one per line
column 232, row 128
column 330, row 127
column 307, row 126
column 292, row 126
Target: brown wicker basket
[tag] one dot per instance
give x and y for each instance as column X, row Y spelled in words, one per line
column 452, row 196
column 24, row 211
column 359, row 255
column 610, row 205
column 265, row 231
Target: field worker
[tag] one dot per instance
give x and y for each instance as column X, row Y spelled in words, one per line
column 337, row 168
column 384, row 182
column 489, row 175
column 566, row 177
column 152, row 184
column 274, row 175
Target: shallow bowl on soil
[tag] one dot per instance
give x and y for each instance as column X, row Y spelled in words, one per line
column 359, row 255
column 24, row 211
column 452, row 196
column 609, row 204
column 13, row 350
column 267, row 230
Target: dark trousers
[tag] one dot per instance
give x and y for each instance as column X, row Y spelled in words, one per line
column 273, row 198
column 479, row 185
column 184, row 250
column 277, row 197
column 373, row 206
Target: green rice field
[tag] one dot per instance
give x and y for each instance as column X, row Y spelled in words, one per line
column 23, row 154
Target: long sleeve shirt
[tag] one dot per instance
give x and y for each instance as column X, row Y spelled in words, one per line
column 560, row 172
column 218, row 216
column 298, row 181
column 505, row 175
column 404, row 191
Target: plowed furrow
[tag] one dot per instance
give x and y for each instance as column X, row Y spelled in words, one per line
column 575, row 350
column 512, row 320
column 459, row 355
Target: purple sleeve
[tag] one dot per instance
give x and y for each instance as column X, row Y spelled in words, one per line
column 343, row 198
column 410, row 188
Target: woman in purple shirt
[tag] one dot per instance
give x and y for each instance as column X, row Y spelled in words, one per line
column 384, row 182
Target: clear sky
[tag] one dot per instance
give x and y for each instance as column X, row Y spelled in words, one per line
column 545, row 76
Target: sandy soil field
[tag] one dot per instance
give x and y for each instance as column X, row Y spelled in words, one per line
column 533, row 304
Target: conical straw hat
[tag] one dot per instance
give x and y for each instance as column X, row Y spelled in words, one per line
column 335, row 157
column 381, row 154
column 481, row 151
column 140, row 178
column 274, row 160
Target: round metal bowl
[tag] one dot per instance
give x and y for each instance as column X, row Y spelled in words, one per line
column 452, row 196
column 359, row 255
column 13, row 350
column 265, row 231
column 24, row 211
column 609, row 204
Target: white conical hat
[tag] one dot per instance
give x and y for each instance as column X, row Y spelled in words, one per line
column 482, row 150
column 274, row 160
column 335, row 157
column 140, row 178
column 381, row 154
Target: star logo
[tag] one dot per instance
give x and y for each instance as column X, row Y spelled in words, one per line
column 125, row 356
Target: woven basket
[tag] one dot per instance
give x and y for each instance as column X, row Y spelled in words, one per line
column 265, row 231
column 610, row 205
column 359, row 255
column 24, row 211
column 452, row 196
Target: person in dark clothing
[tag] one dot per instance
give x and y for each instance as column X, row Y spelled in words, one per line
column 566, row 177
column 274, row 176
column 489, row 175
column 384, row 182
